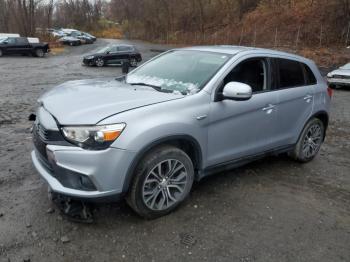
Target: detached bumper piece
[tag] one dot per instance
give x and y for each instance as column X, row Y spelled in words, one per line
column 74, row 210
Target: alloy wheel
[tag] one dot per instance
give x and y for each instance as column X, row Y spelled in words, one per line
column 100, row 62
column 40, row 53
column 165, row 185
column 312, row 141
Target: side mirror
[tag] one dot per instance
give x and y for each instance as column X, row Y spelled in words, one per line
column 237, row 91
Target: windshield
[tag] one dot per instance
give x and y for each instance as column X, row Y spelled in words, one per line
column 347, row 66
column 105, row 49
column 180, row 71
column 3, row 39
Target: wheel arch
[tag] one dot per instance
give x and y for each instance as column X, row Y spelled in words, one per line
column 324, row 117
column 185, row 142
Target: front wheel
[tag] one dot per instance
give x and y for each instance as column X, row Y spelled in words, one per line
column 310, row 141
column 162, row 181
column 100, row 62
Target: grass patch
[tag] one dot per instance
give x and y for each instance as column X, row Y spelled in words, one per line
column 57, row 50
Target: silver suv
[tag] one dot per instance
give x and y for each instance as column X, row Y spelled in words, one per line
column 183, row 115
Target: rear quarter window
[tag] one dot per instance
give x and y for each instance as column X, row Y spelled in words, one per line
column 310, row 78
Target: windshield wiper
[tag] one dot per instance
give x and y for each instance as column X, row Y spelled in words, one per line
column 158, row 88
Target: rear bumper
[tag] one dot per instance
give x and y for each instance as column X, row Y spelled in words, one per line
column 66, row 168
column 339, row 81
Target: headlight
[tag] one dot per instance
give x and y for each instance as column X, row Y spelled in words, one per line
column 329, row 75
column 90, row 57
column 93, row 137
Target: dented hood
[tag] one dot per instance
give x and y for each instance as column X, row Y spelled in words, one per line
column 87, row 102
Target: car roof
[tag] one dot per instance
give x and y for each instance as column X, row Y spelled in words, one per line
column 233, row 50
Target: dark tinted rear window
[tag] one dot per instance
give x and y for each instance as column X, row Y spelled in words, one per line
column 124, row 48
column 290, row 73
column 22, row 40
column 309, row 75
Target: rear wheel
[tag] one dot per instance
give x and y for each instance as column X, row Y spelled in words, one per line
column 163, row 180
column 100, row 62
column 310, row 141
column 39, row 53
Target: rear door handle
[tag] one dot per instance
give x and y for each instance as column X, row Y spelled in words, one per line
column 269, row 108
column 308, row 98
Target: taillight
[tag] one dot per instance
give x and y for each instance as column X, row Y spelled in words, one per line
column 330, row 92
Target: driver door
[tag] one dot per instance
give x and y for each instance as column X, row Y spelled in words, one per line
column 241, row 129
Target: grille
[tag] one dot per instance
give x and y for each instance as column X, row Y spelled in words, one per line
column 42, row 132
column 43, row 137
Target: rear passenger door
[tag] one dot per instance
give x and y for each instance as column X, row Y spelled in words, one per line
column 22, row 45
column 294, row 84
column 124, row 52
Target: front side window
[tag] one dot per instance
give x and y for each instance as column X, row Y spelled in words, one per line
column 290, row 73
column 11, row 40
column 251, row 72
column 181, row 71
column 108, row 49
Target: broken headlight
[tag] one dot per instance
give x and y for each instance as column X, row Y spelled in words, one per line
column 93, row 137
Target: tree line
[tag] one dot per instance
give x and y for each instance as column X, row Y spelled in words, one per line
column 303, row 22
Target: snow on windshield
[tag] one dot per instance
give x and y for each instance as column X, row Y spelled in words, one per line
column 178, row 87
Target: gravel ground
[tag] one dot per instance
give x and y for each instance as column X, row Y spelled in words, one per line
column 271, row 210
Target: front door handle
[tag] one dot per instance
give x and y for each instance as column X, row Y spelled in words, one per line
column 269, row 108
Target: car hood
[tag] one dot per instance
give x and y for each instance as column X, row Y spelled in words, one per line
column 342, row 72
column 95, row 54
column 87, row 102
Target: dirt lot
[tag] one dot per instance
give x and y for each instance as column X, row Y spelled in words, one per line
column 270, row 210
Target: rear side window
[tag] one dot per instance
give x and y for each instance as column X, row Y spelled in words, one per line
column 22, row 40
column 124, row 48
column 290, row 73
column 310, row 78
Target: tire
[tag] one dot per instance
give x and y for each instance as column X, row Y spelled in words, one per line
column 39, row 53
column 156, row 192
column 310, row 141
column 99, row 62
column 1, row 53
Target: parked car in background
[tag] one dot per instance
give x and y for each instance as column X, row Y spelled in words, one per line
column 181, row 116
column 70, row 40
column 21, row 45
column 83, row 38
column 339, row 77
column 90, row 36
column 114, row 54
column 57, row 33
